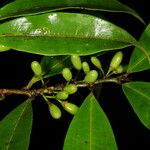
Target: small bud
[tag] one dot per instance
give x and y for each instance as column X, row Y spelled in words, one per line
column 4, row 48
column 91, row 76
column 71, row 88
column 66, row 73
column 62, row 95
column 54, row 111
column 96, row 62
column 69, row 107
column 85, row 67
column 76, row 61
column 36, row 68
column 118, row 70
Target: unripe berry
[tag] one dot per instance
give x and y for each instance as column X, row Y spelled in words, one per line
column 69, row 107
column 96, row 62
column 116, row 60
column 62, row 95
column 91, row 76
column 36, row 68
column 71, row 88
column 67, row 74
column 54, row 111
column 85, row 67
column 3, row 48
column 76, row 61
column 118, row 70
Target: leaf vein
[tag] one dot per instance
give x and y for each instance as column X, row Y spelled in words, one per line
column 135, row 65
column 67, row 36
column 135, row 90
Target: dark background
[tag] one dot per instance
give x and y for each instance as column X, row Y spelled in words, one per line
column 49, row 134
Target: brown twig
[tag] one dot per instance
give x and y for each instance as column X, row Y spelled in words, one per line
column 49, row 90
column 27, row 92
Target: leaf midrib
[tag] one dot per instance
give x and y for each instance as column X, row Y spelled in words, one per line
column 133, row 42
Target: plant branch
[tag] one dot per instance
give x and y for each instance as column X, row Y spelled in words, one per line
column 27, row 92
column 51, row 90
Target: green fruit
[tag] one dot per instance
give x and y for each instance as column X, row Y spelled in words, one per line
column 4, row 48
column 66, row 73
column 119, row 69
column 36, row 68
column 85, row 67
column 96, row 62
column 91, row 76
column 54, row 111
column 69, row 107
column 76, row 61
column 116, row 60
column 62, row 95
column 71, row 88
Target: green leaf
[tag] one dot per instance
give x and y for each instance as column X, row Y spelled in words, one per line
column 90, row 129
column 53, row 65
column 139, row 61
column 15, row 128
column 26, row 7
column 63, row 34
column 138, row 95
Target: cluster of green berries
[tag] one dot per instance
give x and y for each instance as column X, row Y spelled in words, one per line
column 56, row 112
column 62, row 95
column 91, row 77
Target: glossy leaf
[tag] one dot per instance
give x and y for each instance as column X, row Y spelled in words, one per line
column 53, row 65
column 138, row 95
column 139, row 61
column 63, row 34
column 15, row 128
column 90, row 129
column 25, row 7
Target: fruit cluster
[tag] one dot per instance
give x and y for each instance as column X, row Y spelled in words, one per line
column 91, row 76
